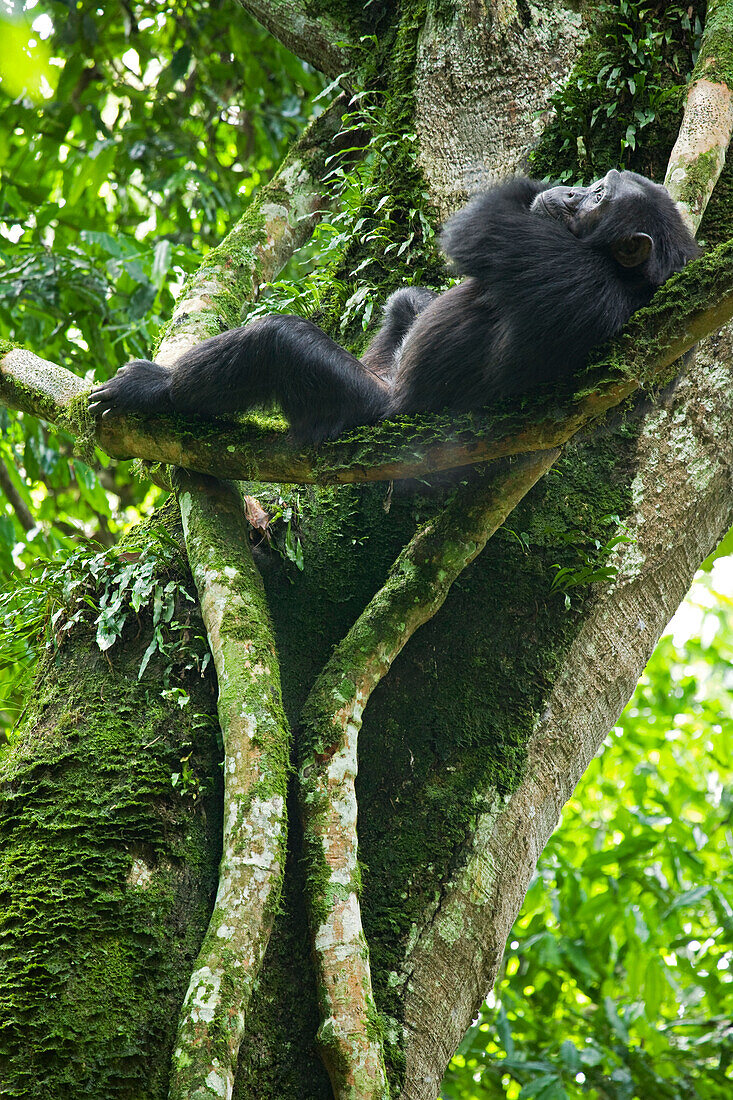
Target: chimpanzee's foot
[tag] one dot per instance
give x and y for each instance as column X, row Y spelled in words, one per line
column 138, row 387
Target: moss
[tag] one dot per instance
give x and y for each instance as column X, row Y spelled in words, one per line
column 717, row 223
column 698, row 175
column 353, row 16
column 386, row 72
column 480, row 695
column 214, row 532
column 6, row 346
column 283, row 1015
column 107, row 874
column 79, row 422
column 652, row 335
column 445, row 728
column 717, row 50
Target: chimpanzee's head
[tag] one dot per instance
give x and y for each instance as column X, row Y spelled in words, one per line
column 627, row 215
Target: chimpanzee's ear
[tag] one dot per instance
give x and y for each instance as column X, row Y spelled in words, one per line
column 632, row 251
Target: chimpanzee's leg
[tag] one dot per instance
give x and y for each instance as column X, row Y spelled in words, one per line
column 321, row 388
column 400, row 312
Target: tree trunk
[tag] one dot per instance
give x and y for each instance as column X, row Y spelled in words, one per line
column 470, row 744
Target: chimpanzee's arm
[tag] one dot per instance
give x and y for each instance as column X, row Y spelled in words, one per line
column 321, row 388
column 478, row 236
column 556, row 295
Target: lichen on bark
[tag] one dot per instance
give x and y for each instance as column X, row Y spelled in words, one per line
column 256, row 760
column 445, row 737
column 699, row 153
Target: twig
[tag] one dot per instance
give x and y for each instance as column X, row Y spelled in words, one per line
column 23, row 513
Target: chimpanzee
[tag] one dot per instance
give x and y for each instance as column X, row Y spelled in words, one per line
column 550, row 272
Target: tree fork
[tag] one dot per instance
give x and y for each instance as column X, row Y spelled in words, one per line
column 415, row 590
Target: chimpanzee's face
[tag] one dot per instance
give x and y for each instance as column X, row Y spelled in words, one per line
column 582, row 208
column 620, row 211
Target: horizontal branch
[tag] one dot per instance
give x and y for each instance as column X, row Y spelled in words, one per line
column 689, row 307
column 34, row 385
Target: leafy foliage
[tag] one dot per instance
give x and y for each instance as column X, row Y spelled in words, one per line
column 629, row 83
column 592, row 565
column 142, row 154
column 107, row 590
column 618, row 978
column 369, row 243
column 128, row 154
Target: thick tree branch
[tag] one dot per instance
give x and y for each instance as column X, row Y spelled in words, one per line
column 256, row 753
column 416, row 588
column 317, row 39
column 684, row 504
column 699, row 152
column 273, row 227
column 254, row 726
column 506, row 843
column 33, row 385
column 689, row 307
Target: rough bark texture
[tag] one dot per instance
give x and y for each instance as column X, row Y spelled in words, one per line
column 483, row 73
column 256, row 756
column 107, row 869
column 681, row 503
column 415, row 589
column 312, row 35
column 469, row 745
column 32, row 384
column 698, row 156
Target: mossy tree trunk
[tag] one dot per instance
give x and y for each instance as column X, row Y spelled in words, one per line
column 469, row 745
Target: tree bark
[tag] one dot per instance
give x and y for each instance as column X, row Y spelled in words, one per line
column 470, row 743
column 683, row 491
column 699, row 152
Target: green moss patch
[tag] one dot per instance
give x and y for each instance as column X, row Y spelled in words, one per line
column 108, row 868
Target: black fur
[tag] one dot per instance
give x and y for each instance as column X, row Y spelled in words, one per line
column 550, row 273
